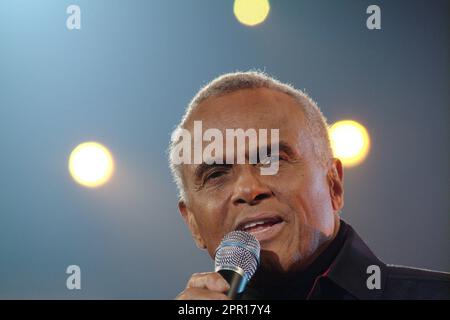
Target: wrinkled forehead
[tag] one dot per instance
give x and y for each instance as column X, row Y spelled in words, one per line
column 257, row 109
column 250, row 109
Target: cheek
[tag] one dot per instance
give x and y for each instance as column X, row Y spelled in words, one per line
column 215, row 207
column 319, row 211
column 212, row 219
column 212, row 216
column 307, row 194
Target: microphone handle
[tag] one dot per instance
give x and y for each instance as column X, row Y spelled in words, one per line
column 235, row 280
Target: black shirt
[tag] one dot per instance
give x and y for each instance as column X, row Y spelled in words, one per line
column 298, row 284
column 342, row 271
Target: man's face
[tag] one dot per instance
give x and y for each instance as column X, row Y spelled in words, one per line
column 297, row 207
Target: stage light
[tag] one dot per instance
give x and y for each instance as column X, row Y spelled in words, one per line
column 350, row 142
column 251, row 12
column 91, row 164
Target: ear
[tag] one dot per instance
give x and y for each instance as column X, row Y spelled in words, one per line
column 335, row 179
column 190, row 221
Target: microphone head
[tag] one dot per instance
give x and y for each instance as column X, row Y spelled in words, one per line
column 238, row 251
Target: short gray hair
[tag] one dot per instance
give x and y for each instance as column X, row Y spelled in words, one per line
column 316, row 122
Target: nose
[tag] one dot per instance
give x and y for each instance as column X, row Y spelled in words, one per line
column 248, row 188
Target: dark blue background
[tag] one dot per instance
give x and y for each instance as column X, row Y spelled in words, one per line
column 125, row 78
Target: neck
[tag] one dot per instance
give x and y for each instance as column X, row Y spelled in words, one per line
column 324, row 244
column 297, row 280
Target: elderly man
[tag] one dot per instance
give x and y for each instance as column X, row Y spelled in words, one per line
column 307, row 250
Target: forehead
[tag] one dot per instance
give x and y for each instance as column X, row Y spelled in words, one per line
column 259, row 108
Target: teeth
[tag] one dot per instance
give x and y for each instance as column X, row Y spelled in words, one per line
column 252, row 224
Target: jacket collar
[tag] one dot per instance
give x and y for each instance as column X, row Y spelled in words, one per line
column 349, row 268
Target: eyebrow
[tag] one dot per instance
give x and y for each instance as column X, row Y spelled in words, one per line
column 284, row 147
column 204, row 167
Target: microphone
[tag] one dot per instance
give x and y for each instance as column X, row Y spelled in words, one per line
column 236, row 259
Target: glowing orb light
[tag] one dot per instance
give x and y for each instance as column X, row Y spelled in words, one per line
column 91, row 164
column 251, row 12
column 350, row 142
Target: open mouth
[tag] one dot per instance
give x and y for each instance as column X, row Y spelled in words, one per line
column 262, row 228
column 255, row 226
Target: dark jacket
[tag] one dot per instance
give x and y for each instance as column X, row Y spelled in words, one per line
column 347, row 277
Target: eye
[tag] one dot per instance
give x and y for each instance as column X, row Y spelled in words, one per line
column 215, row 174
column 268, row 160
